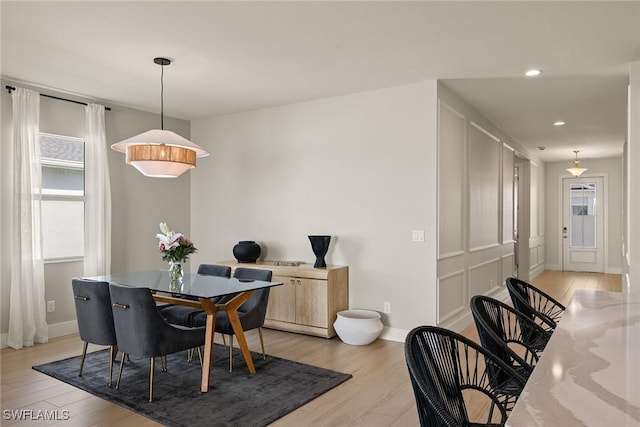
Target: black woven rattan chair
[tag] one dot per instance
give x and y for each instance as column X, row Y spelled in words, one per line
column 445, row 366
column 536, row 304
column 512, row 336
column 95, row 320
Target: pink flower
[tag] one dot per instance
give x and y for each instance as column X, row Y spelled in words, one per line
column 174, row 246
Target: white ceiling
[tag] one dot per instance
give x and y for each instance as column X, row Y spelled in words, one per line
column 237, row 56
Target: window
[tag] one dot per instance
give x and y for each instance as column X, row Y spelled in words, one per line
column 62, row 159
column 580, row 210
column 583, row 215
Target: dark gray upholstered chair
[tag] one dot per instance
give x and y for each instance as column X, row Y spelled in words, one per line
column 251, row 313
column 509, row 334
column 445, row 367
column 214, row 270
column 183, row 315
column 534, row 303
column 95, row 320
column 142, row 331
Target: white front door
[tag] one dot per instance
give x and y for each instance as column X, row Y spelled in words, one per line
column 583, row 224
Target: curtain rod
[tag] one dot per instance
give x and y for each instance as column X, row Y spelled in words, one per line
column 10, row 88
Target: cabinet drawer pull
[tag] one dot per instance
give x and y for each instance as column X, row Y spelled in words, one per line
column 82, row 298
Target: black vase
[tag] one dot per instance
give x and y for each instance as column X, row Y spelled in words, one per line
column 320, row 246
column 246, row 251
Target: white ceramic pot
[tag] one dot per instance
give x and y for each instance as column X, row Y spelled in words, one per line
column 358, row 327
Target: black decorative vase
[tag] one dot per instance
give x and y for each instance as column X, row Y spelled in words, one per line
column 246, row 251
column 320, row 246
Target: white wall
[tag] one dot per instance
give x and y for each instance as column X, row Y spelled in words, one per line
column 611, row 169
column 537, row 238
column 360, row 168
column 631, row 233
column 475, row 208
column 139, row 204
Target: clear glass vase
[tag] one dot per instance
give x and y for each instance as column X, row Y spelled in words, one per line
column 175, row 277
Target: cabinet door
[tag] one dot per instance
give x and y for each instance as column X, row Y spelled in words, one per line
column 311, row 302
column 282, row 300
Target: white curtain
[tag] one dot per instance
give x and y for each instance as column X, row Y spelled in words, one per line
column 27, row 313
column 97, row 193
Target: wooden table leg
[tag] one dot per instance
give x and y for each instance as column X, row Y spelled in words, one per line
column 210, row 309
column 234, row 319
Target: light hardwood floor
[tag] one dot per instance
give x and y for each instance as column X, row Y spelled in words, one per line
column 379, row 394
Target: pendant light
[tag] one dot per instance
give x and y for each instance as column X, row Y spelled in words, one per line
column 160, row 153
column 576, row 170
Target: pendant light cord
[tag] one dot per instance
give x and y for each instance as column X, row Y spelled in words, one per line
column 162, row 62
column 162, row 98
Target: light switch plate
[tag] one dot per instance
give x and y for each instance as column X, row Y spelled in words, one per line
column 418, row 235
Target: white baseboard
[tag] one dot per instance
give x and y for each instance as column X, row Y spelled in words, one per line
column 62, row 329
column 607, row 270
column 536, row 271
column 393, row 334
column 502, row 295
column 55, row 330
column 458, row 323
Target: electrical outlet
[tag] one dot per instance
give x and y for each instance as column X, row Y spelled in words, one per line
column 51, row 306
column 387, row 307
column 417, row 235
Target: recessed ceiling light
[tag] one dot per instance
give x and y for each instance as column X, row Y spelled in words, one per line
column 533, row 73
column 559, row 123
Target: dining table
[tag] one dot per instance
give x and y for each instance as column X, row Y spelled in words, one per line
column 588, row 374
column 197, row 291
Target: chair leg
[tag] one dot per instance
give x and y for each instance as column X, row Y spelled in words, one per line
column 84, row 353
column 120, row 371
column 200, row 356
column 111, row 356
column 153, row 365
column 264, row 355
column 230, row 353
column 163, row 363
column 189, row 355
column 224, row 341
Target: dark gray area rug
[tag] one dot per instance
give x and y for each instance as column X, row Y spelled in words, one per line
column 235, row 398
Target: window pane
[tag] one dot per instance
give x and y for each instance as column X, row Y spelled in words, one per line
column 62, row 150
column 57, row 178
column 583, row 215
column 62, row 164
column 62, row 228
column 62, row 215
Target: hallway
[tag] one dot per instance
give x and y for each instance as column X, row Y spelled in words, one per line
column 562, row 284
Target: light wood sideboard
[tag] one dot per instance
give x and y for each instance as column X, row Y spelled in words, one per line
column 309, row 300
